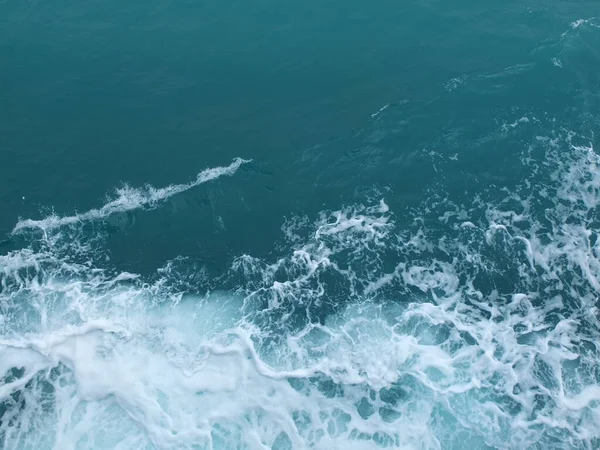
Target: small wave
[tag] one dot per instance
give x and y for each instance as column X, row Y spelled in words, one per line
column 129, row 198
column 579, row 22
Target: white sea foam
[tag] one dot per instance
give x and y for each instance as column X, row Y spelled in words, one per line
column 129, row 198
column 455, row 83
column 577, row 23
column 360, row 334
column 516, row 123
column 380, row 110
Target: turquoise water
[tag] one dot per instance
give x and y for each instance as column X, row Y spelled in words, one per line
column 293, row 225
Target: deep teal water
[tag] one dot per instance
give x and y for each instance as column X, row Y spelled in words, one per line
column 279, row 225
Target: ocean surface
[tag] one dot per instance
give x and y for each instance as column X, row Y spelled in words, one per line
column 282, row 225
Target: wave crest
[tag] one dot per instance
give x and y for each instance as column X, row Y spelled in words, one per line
column 128, row 199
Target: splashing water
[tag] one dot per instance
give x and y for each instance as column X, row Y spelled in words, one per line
column 448, row 326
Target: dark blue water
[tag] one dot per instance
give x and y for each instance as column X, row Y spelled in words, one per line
column 333, row 225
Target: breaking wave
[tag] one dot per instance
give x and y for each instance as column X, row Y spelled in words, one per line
column 446, row 326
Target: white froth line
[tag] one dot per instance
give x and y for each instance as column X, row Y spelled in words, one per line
column 46, row 344
column 129, row 199
column 383, row 108
column 588, row 395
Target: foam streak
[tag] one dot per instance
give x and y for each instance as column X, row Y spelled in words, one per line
column 129, row 199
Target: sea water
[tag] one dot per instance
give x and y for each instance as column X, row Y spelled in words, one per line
column 335, row 225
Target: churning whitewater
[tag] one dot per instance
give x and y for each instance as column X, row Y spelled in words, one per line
column 406, row 254
column 446, row 326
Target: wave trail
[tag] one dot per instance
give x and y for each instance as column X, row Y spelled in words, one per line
column 129, row 198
